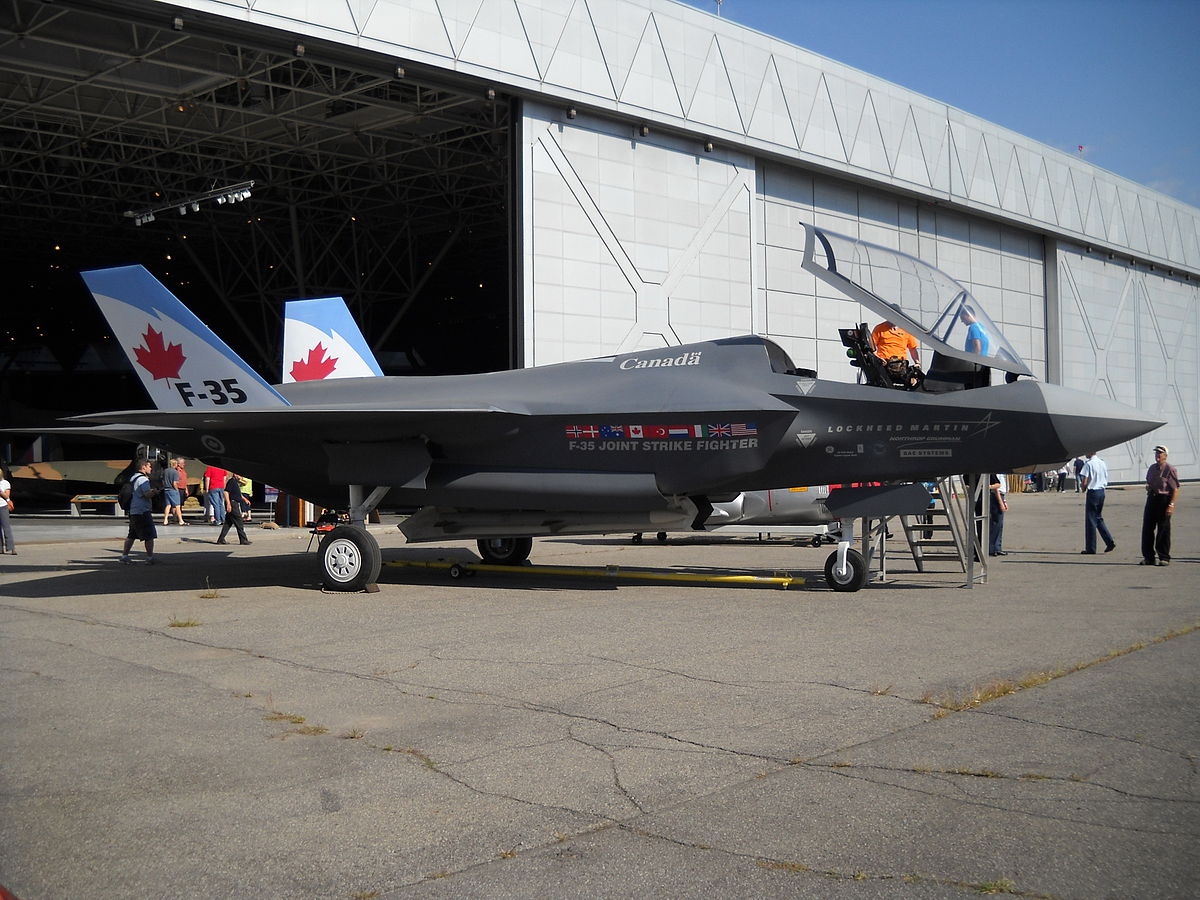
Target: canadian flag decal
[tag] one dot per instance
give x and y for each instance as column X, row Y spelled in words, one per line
column 315, row 367
column 159, row 360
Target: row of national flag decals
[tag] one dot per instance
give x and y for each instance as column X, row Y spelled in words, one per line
column 599, row 432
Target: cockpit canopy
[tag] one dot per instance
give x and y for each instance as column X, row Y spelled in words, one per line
column 926, row 302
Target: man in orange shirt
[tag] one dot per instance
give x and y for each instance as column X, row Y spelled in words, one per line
column 892, row 340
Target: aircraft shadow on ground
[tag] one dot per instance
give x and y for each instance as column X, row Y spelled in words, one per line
column 1061, row 557
column 531, row 576
column 221, row 568
column 700, row 539
column 103, row 573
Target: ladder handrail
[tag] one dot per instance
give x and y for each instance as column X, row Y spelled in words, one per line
column 953, row 493
column 949, row 489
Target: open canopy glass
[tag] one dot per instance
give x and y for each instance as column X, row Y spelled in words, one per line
column 928, row 303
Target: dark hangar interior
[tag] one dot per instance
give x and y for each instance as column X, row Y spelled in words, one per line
column 373, row 178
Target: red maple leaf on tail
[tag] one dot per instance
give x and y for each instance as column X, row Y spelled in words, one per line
column 316, row 367
column 159, row 361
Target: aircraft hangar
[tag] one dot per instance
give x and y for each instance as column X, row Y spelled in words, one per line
column 496, row 183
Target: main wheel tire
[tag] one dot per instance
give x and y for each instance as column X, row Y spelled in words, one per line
column 505, row 551
column 852, row 580
column 350, row 559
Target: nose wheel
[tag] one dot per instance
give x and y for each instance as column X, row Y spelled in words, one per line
column 852, row 576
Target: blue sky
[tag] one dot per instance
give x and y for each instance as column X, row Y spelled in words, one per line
column 1120, row 78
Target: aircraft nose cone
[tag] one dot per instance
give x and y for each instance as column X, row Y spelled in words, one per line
column 1086, row 423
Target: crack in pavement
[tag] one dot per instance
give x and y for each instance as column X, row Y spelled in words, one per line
column 600, row 821
column 847, row 772
column 836, row 874
column 1075, row 728
column 407, row 688
column 1026, row 777
column 613, row 769
column 790, row 867
column 417, row 758
column 787, row 682
column 443, row 656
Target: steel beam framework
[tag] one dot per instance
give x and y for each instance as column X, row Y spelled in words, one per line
column 365, row 171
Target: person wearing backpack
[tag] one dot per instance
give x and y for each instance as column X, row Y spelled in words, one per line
column 141, row 514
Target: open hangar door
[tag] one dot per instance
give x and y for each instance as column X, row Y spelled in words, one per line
column 373, row 179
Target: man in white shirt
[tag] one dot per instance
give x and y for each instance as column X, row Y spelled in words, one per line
column 1094, row 479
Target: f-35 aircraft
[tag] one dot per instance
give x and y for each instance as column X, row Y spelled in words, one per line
column 642, row 441
column 321, row 340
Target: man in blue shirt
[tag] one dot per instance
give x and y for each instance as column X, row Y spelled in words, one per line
column 977, row 336
column 141, row 515
column 1095, row 479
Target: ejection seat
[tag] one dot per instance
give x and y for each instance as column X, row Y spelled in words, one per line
column 894, row 373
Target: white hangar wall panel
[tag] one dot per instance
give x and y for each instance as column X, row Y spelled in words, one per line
column 676, row 65
column 1134, row 336
column 630, row 241
column 635, row 241
column 1001, row 265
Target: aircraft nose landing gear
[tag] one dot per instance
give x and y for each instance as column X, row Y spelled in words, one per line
column 852, row 576
column 846, row 569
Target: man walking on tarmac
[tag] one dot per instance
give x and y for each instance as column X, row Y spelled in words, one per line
column 141, row 515
column 232, row 496
column 1095, row 480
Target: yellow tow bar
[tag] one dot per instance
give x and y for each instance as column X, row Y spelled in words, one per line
column 459, row 570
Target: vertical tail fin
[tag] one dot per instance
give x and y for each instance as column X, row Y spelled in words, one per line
column 182, row 364
column 322, row 340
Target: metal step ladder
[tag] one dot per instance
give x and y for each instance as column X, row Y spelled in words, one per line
column 943, row 533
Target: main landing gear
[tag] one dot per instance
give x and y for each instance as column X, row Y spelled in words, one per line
column 350, row 557
column 661, row 537
column 505, row 551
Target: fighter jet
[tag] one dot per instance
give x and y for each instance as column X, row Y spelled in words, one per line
column 640, row 441
column 321, row 340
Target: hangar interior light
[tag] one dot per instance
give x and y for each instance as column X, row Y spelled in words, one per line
column 234, row 193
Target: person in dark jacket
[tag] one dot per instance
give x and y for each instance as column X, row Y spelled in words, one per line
column 233, row 510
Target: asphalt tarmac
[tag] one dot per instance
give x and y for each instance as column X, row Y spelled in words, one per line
column 217, row 726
